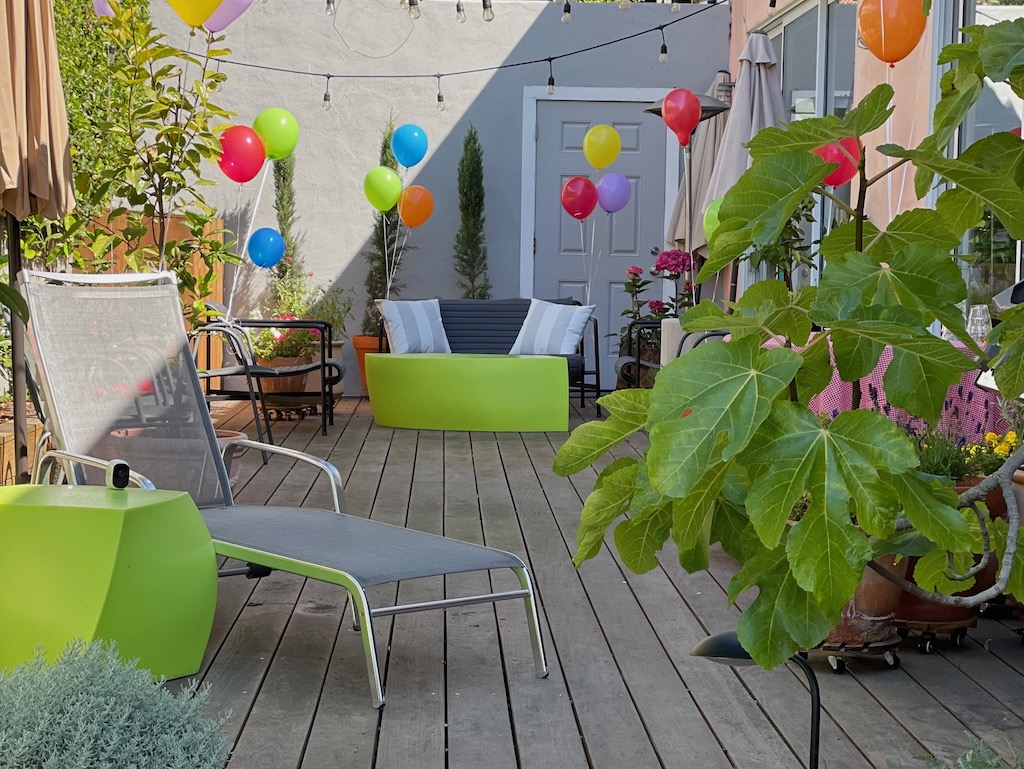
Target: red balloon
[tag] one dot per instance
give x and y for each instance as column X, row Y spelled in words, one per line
column 681, row 113
column 833, row 153
column 579, row 197
column 241, row 153
column 1015, row 130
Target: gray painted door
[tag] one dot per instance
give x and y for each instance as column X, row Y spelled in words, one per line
column 623, row 239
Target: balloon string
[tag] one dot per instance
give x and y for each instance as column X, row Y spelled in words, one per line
column 910, row 143
column 400, row 252
column 888, row 136
column 387, row 259
column 602, row 242
column 586, row 264
column 248, row 234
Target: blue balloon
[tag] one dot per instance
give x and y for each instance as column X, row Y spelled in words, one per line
column 266, row 247
column 409, row 144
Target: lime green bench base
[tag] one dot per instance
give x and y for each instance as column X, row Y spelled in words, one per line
column 461, row 391
column 136, row 567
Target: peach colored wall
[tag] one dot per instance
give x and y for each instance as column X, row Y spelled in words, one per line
column 911, row 80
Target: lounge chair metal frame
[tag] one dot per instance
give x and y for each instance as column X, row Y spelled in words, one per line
column 242, row 531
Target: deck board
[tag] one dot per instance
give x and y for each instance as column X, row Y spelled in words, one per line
column 623, row 690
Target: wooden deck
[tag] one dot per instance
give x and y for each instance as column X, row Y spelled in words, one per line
column 623, row 691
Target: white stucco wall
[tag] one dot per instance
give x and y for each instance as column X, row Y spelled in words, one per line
column 337, row 147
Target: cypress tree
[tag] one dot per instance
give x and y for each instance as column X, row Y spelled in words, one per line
column 470, row 245
column 284, row 206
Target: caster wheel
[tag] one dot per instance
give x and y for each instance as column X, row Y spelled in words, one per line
column 959, row 638
column 892, row 661
column 838, row 664
column 926, row 646
column 902, row 632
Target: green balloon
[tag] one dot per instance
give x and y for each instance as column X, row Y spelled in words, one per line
column 711, row 220
column 382, row 188
column 278, row 130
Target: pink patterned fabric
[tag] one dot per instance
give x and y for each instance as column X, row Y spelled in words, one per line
column 968, row 410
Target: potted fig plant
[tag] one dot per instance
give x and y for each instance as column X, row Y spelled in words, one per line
column 733, row 443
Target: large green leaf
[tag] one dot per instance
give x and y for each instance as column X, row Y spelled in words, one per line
column 815, row 372
column 783, row 617
column 918, row 275
column 706, row 406
column 1002, row 49
column 690, row 514
column 998, row 530
column 836, row 466
column 931, row 572
column 988, row 169
column 1009, row 364
column 609, row 499
column 959, row 209
column 591, row 440
column 638, row 540
column 923, row 366
column 842, row 240
column 767, row 309
column 931, row 507
column 918, row 226
column 731, row 527
column 757, row 208
column 14, row 301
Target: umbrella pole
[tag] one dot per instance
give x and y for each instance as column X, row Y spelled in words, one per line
column 688, row 191
column 18, row 378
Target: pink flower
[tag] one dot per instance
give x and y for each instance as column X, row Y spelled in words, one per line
column 634, row 271
column 675, row 262
column 656, row 305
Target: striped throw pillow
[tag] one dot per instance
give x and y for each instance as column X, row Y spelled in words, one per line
column 414, row 326
column 551, row 329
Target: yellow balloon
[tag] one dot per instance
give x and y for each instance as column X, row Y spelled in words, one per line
column 601, row 146
column 194, row 12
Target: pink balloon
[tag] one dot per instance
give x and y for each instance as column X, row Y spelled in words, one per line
column 226, row 13
column 102, row 8
column 579, row 197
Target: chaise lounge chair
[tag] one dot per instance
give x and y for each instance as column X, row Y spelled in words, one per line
column 103, row 345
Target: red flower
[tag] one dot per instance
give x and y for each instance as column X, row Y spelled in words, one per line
column 634, row 271
column 656, row 305
column 675, row 262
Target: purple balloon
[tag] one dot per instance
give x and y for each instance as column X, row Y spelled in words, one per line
column 613, row 192
column 102, row 8
column 226, row 12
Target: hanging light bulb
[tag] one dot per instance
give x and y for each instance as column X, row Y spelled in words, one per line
column 676, row 7
column 624, row 4
column 440, row 96
column 566, row 12
column 414, row 9
column 403, row 4
column 460, row 12
column 488, row 11
column 663, row 56
column 551, row 77
column 327, row 95
column 332, row 8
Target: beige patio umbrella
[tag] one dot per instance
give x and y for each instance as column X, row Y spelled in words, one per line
column 35, row 157
column 756, row 103
column 707, row 138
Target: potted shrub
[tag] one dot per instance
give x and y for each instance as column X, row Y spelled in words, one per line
column 90, row 708
column 733, row 443
column 280, row 347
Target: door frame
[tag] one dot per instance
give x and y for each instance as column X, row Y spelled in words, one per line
column 528, row 199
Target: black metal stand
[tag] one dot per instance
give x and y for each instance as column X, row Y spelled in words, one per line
column 812, row 682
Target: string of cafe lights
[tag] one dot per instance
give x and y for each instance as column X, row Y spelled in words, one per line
column 414, row 12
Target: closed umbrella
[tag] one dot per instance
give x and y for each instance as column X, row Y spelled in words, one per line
column 756, row 103
column 35, row 157
column 707, row 138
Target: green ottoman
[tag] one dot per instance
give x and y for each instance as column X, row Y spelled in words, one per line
column 133, row 566
column 461, row 391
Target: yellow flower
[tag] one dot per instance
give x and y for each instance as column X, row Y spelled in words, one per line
column 1011, row 438
column 991, row 439
column 1003, row 449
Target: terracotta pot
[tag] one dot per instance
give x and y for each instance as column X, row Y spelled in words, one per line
column 295, row 383
column 362, row 345
column 868, row 616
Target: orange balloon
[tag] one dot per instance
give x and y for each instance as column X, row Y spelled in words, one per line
column 415, row 205
column 891, row 29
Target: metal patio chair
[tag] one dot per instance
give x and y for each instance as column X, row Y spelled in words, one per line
column 98, row 341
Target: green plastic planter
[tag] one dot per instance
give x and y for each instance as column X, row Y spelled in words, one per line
column 137, row 567
column 462, row 391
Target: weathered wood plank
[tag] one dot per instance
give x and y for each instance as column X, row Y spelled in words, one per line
column 479, row 720
column 612, row 729
column 543, row 717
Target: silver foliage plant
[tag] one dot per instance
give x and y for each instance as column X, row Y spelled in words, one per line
column 93, row 710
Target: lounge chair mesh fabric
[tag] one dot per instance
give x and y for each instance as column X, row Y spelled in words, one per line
column 118, row 381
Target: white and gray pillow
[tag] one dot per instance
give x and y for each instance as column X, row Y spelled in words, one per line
column 551, row 329
column 414, row 326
